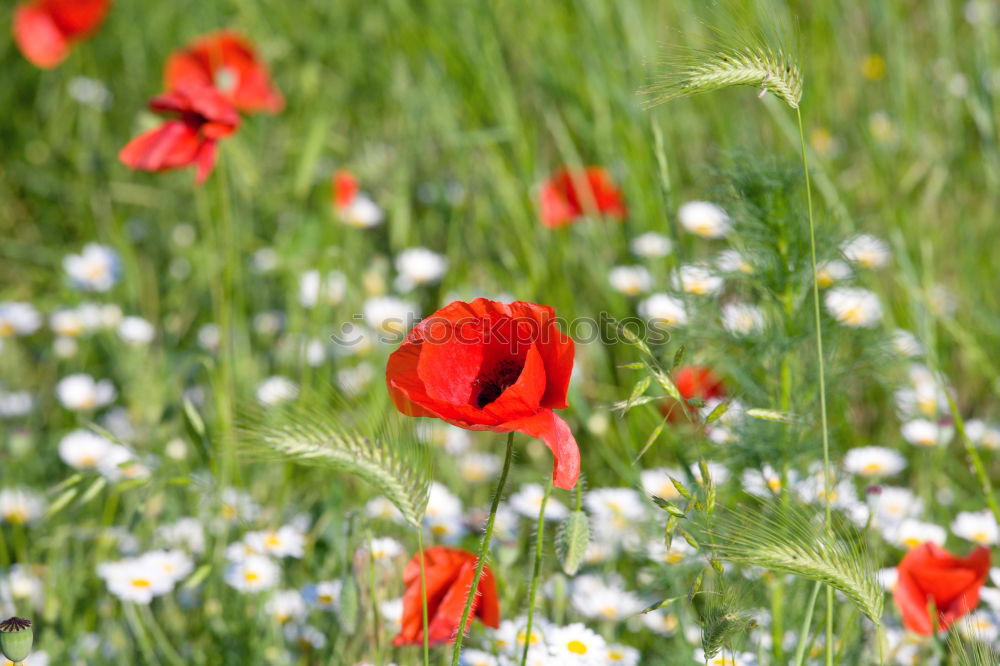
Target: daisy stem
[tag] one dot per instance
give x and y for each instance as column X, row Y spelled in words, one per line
column 423, row 594
column 822, row 377
column 977, row 462
column 800, row 651
column 484, row 549
column 535, row 571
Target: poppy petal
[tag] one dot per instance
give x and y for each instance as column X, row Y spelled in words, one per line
column 174, row 144
column 551, row 429
column 39, row 37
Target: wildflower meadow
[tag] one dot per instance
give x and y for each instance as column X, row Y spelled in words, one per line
column 499, row 333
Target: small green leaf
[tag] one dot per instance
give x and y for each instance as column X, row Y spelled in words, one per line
column 572, row 540
column 678, row 357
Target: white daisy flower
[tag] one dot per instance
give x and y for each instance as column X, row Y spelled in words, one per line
column 982, row 435
column 392, row 612
column 661, row 622
column 876, row 461
column 384, row 549
column 67, row 322
column 96, row 268
column 980, row 625
column 656, row 481
column 725, row 658
column 305, row 636
column 175, row 565
column 477, row 467
column 603, row 599
column 630, row 280
column 679, row 551
column 887, row 578
column 853, row 306
column 238, row 505
column 286, row 606
column 120, row 463
column 81, row 392
column 18, row 318
column 831, row 271
column 15, row 403
column 315, row 288
column 577, row 645
column 866, row 251
column 704, row 219
column 20, row 506
column 442, row 502
column 324, row 595
column 276, row 390
column 510, row 637
column 765, row 482
column 528, row 500
column 209, row 337
column 136, row 331
column 472, row 657
column 353, row 381
column 381, row 507
column 733, row 261
column 651, row 245
column 697, row 279
column 133, row 580
column 622, row 655
column 742, row 318
column 286, row 541
column 187, row 533
column 910, row 533
column 253, row 573
column 264, row 260
column 615, row 511
column 390, row 315
column 361, row 212
column 82, row 449
column 417, row 266
column 923, row 432
column 891, row 505
column 906, row 343
column 976, row 526
column 91, row 92
column 718, row 472
column 664, row 309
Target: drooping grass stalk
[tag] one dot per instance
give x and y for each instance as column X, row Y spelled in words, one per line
column 484, row 548
column 977, row 463
column 800, row 652
column 423, row 594
column 535, row 572
column 822, row 376
column 160, row 637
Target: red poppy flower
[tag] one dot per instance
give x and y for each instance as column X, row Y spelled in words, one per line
column 929, row 573
column 490, row 366
column 570, row 194
column 45, row 29
column 693, row 381
column 191, row 139
column 448, row 573
column 345, row 189
column 230, row 63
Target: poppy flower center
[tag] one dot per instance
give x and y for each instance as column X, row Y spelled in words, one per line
column 497, row 380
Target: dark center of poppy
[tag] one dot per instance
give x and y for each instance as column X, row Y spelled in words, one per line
column 497, row 380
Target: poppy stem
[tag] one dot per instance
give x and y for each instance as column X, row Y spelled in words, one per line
column 535, row 571
column 423, row 594
column 484, row 548
column 800, row 652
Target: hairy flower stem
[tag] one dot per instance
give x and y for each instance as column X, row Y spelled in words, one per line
column 800, row 651
column 822, row 377
column 535, row 572
column 484, row 549
column 423, row 594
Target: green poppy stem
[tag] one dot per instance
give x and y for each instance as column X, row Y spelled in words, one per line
column 484, row 549
column 423, row 595
column 535, row 572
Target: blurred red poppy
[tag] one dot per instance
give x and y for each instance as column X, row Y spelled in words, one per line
column 486, row 365
column 191, row 139
column 345, row 189
column 45, row 29
column 569, row 194
column 448, row 573
column 230, row 63
column 929, row 573
column 693, row 381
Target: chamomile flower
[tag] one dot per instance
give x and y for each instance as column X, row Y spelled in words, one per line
column 733, row 261
column 473, row 657
column 389, row 315
column 175, row 565
column 120, row 462
column 922, row 432
column 511, row 635
column 276, row 390
column 18, row 318
column 656, row 481
column 983, row 435
column 910, row 533
column 717, row 472
column 980, row 625
column 96, row 268
column 417, row 266
column 764, row 482
column 286, row 541
column 874, row 461
column 853, row 306
column 603, row 598
column 82, row 449
column 528, row 500
column 237, row 505
column 906, row 344
column 286, row 606
column 866, row 251
column 14, row 404
column 577, row 645
column 831, row 271
column 679, row 551
column 23, row 587
column 664, row 309
column 630, row 280
column 704, row 219
column 888, row 578
column 324, row 595
column 81, row 392
column 67, row 322
column 305, row 636
column 976, row 526
column 442, row 502
column 381, row 507
column 615, row 510
column 187, row 533
column 353, row 381
column 476, row 467
column 725, row 658
column 133, row 580
column 315, row 288
column 697, row 279
column 651, row 245
column 384, row 549
column 392, row 612
column 20, row 506
column 253, row 573
column 661, row 622
column 622, row 655
column 361, row 211
column 891, row 505
column 742, row 318
column 136, row 331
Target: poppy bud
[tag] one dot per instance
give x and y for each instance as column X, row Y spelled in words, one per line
column 16, row 638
